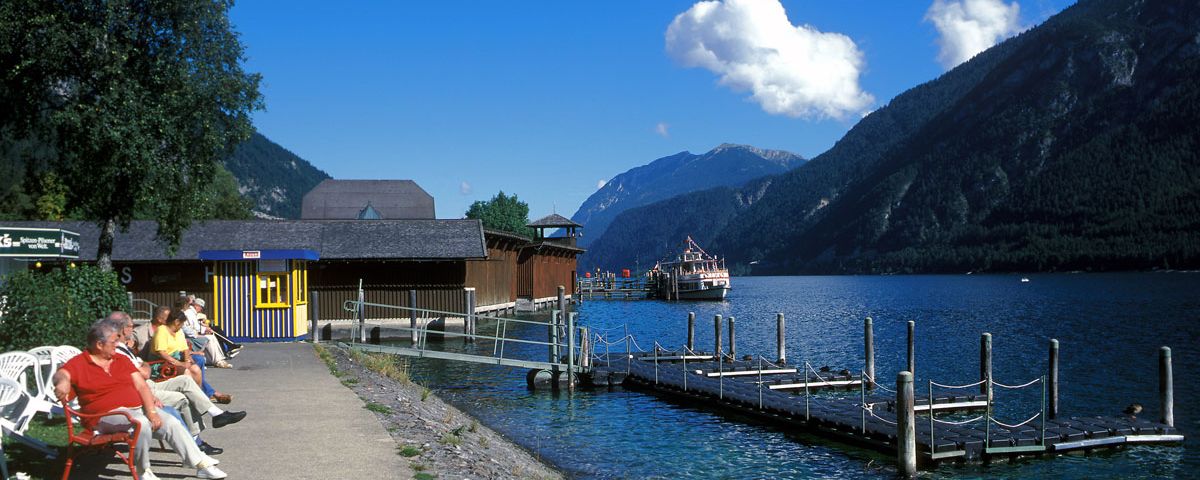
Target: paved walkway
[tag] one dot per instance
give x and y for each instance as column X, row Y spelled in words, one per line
column 301, row 424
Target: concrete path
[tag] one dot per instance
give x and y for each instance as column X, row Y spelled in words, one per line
column 302, row 423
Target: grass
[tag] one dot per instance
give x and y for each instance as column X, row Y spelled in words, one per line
column 425, row 391
column 349, row 381
column 409, row 451
column 424, row 476
column 24, row 459
column 451, row 439
column 378, row 408
column 474, row 426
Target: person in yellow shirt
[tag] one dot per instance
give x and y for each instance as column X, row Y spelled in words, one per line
column 173, row 348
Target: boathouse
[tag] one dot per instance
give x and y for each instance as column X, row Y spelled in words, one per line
column 265, row 278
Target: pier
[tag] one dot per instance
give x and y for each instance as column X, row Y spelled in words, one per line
column 920, row 424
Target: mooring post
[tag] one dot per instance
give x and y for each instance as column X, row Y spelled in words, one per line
column 562, row 298
column 691, row 338
column 1052, row 410
column 585, row 348
column 570, row 348
column 1166, row 387
column 781, row 357
column 906, row 428
column 553, row 334
column 717, row 335
column 362, row 315
column 912, row 352
column 469, row 321
column 985, row 365
column 732, row 339
column 869, row 348
column 412, row 315
column 313, row 320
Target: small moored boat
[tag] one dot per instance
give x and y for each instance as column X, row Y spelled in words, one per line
column 692, row 275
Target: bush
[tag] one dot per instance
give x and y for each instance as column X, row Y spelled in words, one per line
column 56, row 307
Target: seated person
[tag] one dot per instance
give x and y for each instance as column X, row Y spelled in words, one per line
column 171, row 346
column 200, row 337
column 181, row 392
column 207, row 328
column 104, row 381
column 144, row 333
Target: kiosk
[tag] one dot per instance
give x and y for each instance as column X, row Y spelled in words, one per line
column 260, row 295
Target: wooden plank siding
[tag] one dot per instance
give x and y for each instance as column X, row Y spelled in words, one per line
column 331, row 302
column 493, row 278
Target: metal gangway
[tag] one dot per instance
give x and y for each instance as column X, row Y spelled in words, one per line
column 565, row 350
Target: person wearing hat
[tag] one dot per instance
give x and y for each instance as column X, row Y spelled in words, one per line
column 231, row 349
column 200, row 336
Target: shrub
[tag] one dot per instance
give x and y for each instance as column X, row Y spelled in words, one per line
column 56, row 307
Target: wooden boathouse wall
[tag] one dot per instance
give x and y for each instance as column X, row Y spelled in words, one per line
column 494, row 278
column 439, row 286
column 543, row 269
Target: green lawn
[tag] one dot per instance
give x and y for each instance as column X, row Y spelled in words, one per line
column 21, row 458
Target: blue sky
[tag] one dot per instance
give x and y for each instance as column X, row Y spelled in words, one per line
column 545, row 99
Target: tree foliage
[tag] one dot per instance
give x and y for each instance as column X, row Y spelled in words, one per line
column 502, row 212
column 56, row 307
column 137, row 102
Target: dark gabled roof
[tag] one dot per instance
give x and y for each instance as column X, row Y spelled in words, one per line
column 553, row 220
column 346, row 199
column 332, row 239
column 491, row 232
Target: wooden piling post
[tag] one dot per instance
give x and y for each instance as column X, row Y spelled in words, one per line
column 585, row 348
column 362, row 315
column 555, row 318
column 570, row 318
column 732, row 339
column 469, row 321
column 1052, row 409
column 717, row 335
column 985, row 365
column 869, row 349
column 906, row 428
column 412, row 315
column 691, row 336
column 781, row 358
column 562, row 298
column 912, row 351
column 1166, row 387
column 314, row 321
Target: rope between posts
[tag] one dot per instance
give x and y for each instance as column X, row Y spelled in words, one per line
column 1001, row 385
column 1010, row 427
column 964, row 422
column 969, row 385
column 872, row 413
column 877, row 384
column 810, row 368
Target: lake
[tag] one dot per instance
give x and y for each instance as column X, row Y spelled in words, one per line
column 1109, row 326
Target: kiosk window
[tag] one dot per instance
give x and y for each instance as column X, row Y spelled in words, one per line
column 272, row 290
column 300, row 282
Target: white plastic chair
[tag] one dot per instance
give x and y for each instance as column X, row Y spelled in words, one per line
column 15, row 366
column 49, row 365
column 16, row 410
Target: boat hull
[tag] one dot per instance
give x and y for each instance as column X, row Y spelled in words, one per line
column 714, row 293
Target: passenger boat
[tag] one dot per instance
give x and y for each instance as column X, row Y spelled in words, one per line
column 692, row 275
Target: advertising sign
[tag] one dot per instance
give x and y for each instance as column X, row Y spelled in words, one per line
column 38, row 243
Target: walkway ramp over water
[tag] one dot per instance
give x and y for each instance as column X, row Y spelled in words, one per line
column 301, row 424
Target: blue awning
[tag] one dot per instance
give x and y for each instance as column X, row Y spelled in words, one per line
column 259, row 255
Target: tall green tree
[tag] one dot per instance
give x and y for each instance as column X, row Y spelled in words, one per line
column 503, row 212
column 137, row 99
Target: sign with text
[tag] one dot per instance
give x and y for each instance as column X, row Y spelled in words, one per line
column 38, row 243
column 251, row 254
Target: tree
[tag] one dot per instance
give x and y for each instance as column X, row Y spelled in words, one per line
column 138, row 101
column 502, row 212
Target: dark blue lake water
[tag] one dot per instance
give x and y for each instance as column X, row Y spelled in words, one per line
column 1110, row 327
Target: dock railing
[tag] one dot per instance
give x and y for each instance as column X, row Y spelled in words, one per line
column 561, row 331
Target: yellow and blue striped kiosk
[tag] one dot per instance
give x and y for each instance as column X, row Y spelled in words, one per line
column 260, row 295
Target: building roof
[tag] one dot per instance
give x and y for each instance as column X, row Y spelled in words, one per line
column 331, row 239
column 553, row 220
column 347, row 199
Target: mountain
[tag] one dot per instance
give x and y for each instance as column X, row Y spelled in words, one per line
column 727, row 165
column 640, row 236
column 274, row 178
column 1069, row 147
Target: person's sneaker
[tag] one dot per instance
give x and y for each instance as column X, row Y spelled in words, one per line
column 222, row 398
column 227, row 418
column 234, row 351
column 211, row 460
column 147, row 475
column 223, row 364
column 210, row 471
column 209, row 449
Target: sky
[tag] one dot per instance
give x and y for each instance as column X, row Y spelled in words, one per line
column 550, row 99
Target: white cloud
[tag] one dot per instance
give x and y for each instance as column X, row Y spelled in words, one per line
column 601, row 183
column 790, row 70
column 464, row 188
column 661, row 129
column 968, row 27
